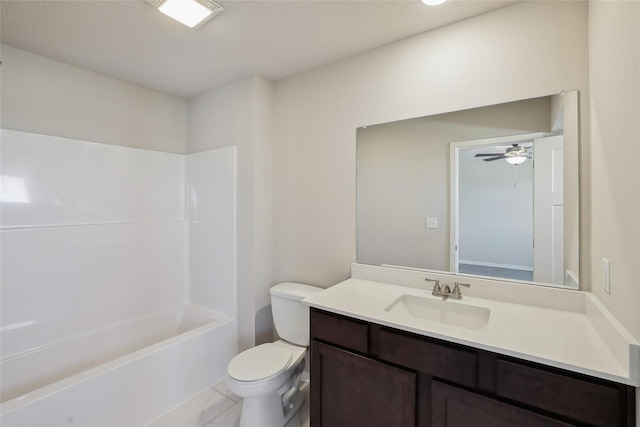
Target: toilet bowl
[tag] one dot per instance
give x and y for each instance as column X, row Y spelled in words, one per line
column 262, row 375
column 267, row 376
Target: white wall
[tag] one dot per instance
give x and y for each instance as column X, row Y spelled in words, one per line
column 521, row 51
column 48, row 97
column 93, row 234
column 565, row 114
column 496, row 213
column 211, row 213
column 239, row 114
column 614, row 66
column 103, row 235
column 73, row 182
column 44, row 96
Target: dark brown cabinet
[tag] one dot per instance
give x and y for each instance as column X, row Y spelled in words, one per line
column 364, row 374
column 356, row 390
column 455, row 407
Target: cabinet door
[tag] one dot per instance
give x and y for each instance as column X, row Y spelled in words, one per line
column 349, row 390
column 455, row 407
column 594, row 402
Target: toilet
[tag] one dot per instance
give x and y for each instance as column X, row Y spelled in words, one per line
column 267, row 376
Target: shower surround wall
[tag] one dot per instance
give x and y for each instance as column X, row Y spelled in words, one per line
column 93, row 234
column 90, row 233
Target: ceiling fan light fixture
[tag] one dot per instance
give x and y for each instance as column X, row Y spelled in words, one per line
column 515, row 160
column 192, row 13
column 433, row 2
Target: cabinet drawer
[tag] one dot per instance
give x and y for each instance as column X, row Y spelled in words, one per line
column 455, row 407
column 595, row 403
column 440, row 360
column 339, row 330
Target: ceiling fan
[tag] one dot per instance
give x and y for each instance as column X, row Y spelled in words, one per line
column 515, row 154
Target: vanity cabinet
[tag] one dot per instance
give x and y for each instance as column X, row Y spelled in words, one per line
column 365, row 374
column 362, row 391
column 455, row 407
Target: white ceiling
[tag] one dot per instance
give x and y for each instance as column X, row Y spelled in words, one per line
column 129, row 40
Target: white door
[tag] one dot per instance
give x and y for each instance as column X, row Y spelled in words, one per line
column 548, row 210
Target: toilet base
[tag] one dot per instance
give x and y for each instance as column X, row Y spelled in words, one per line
column 273, row 401
column 267, row 411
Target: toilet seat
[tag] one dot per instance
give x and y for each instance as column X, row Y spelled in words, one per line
column 259, row 363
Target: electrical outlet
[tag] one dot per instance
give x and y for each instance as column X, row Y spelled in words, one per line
column 606, row 275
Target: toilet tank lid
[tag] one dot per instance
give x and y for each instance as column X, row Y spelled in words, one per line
column 294, row 291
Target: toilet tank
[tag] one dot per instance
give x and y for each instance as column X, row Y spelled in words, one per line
column 290, row 315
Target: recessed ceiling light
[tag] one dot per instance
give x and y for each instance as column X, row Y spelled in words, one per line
column 433, row 2
column 192, row 13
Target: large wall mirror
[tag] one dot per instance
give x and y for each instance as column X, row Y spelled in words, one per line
column 490, row 192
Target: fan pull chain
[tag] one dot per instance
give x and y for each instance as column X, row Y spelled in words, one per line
column 515, row 175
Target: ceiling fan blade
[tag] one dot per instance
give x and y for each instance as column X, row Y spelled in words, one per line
column 494, row 158
column 488, row 154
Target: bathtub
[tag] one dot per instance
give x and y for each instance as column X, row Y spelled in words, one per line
column 125, row 374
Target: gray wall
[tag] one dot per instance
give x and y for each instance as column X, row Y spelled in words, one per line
column 524, row 50
column 496, row 213
column 240, row 114
column 43, row 96
column 403, row 178
column 614, row 67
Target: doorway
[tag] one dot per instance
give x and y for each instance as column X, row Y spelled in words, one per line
column 492, row 224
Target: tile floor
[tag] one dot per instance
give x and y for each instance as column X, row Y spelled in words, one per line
column 218, row 407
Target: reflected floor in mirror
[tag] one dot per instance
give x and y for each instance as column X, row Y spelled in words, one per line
column 218, row 407
column 505, row 273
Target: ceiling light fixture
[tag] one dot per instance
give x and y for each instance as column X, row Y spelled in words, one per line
column 192, row 13
column 515, row 160
column 433, row 2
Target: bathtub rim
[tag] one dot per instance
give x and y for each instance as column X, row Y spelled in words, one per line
column 179, row 308
column 218, row 320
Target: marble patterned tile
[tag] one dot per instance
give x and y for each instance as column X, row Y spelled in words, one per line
column 219, row 407
column 301, row 418
column 197, row 411
column 229, row 418
column 295, row 421
column 222, row 388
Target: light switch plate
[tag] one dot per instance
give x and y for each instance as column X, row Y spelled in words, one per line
column 431, row 223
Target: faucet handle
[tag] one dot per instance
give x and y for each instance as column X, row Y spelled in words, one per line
column 436, row 287
column 456, row 289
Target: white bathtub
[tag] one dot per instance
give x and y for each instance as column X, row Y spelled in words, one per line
column 126, row 374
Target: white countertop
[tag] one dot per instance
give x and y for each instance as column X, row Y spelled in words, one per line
column 565, row 338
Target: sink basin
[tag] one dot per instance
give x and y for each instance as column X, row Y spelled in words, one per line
column 442, row 311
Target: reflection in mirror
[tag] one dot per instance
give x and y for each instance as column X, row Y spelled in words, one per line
column 458, row 192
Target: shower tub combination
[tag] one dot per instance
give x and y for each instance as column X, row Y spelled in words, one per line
column 124, row 374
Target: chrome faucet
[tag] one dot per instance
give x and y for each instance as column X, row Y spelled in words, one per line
column 446, row 292
column 436, row 288
column 456, row 289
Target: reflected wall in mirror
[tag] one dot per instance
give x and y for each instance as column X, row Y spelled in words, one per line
column 458, row 192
